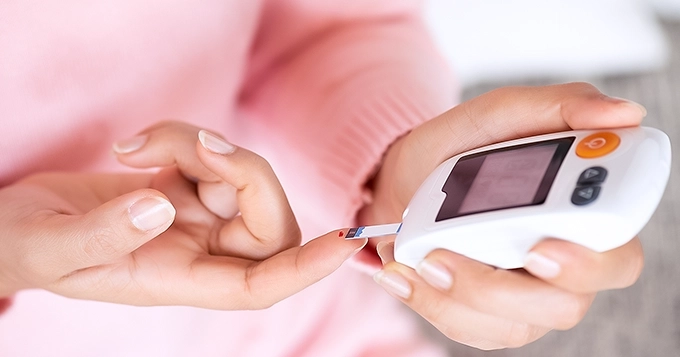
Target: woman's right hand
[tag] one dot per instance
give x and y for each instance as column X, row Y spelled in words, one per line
column 117, row 238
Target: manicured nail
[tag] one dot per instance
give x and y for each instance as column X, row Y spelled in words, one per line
column 541, row 266
column 129, row 145
column 151, row 212
column 394, row 283
column 213, row 143
column 435, row 274
column 385, row 251
column 631, row 103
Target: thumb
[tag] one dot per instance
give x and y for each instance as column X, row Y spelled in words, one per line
column 511, row 113
column 111, row 230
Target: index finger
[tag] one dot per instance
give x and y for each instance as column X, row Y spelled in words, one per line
column 228, row 284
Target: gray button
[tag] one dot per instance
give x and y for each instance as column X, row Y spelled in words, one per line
column 585, row 195
column 592, row 175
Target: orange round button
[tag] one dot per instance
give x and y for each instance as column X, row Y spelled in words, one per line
column 598, row 144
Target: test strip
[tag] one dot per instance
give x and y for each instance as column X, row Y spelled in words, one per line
column 373, row 231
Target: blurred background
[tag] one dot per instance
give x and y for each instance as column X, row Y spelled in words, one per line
column 629, row 49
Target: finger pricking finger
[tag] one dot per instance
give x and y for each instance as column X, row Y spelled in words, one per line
column 578, row 269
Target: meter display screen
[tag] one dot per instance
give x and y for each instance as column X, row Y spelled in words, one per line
column 510, row 177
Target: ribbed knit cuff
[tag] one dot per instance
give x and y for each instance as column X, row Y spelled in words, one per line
column 366, row 132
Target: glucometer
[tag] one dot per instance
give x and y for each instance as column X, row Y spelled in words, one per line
column 596, row 188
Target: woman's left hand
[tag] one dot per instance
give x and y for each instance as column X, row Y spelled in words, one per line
column 212, row 229
column 471, row 302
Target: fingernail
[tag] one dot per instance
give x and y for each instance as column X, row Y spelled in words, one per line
column 631, row 103
column 435, row 274
column 151, row 212
column 394, row 283
column 385, row 251
column 129, row 145
column 541, row 266
column 214, row 143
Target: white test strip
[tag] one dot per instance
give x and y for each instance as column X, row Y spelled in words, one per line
column 373, row 231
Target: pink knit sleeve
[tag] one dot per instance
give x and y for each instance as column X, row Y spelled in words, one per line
column 341, row 84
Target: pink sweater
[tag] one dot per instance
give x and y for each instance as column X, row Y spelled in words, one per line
column 319, row 88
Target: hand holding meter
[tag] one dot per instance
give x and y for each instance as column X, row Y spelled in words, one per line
column 596, row 188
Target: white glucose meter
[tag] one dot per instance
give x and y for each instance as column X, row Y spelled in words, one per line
column 596, row 188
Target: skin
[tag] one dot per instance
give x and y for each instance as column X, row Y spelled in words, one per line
column 72, row 234
column 482, row 306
